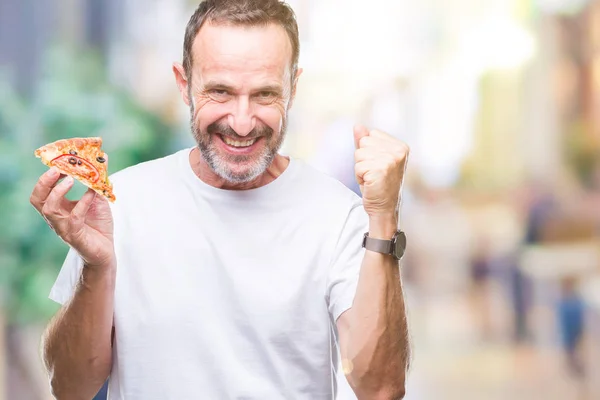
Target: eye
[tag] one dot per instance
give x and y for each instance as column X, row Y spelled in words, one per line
column 219, row 95
column 266, row 96
column 218, row 92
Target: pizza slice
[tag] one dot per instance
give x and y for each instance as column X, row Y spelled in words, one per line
column 81, row 158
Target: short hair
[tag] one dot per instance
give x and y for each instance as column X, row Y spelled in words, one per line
column 241, row 13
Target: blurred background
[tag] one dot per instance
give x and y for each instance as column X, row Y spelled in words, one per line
column 498, row 99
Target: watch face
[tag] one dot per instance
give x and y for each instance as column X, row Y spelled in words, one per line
column 400, row 245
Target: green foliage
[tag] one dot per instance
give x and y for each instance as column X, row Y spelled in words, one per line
column 73, row 99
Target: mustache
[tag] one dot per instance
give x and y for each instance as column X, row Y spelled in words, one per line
column 225, row 130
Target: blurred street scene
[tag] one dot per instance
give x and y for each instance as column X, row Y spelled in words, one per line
column 499, row 101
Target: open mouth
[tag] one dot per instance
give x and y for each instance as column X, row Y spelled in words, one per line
column 239, row 144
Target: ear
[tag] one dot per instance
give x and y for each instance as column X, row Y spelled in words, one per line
column 294, row 85
column 182, row 83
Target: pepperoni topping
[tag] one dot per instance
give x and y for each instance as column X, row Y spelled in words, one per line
column 78, row 166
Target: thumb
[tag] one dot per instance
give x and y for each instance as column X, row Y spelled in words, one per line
column 360, row 131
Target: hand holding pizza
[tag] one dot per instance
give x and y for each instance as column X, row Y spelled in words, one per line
column 85, row 225
column 380, row 164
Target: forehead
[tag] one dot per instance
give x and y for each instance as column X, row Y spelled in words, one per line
column 242, row 52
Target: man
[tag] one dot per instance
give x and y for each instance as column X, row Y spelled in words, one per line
column 220, row 270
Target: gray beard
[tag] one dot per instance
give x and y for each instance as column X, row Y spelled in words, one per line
column 220, row 165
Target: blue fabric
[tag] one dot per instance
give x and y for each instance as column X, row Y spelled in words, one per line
column 570, row 317
column 103, row 393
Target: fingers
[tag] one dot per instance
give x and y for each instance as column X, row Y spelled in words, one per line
column 382, row 147
column 59, row 192
column 43, row 187
column 359, row 133
column 76, row 219
column 53, row 208
column 382, row 135
column 364, row 137
column 360, row 169
column 81, row 209
column 369, row 152
column 374, row 139
column 371, row 138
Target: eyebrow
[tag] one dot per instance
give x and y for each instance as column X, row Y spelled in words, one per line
column 223, row 86
column 218, row 85
column 269, row 88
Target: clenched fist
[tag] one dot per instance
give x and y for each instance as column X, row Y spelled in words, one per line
column 380, row 162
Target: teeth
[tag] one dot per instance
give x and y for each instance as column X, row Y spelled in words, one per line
column 235, row 143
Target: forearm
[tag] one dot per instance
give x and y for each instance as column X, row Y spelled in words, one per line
column 378, row 348
column 77, row 348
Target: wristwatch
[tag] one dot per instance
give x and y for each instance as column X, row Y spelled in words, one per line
column 394, row 247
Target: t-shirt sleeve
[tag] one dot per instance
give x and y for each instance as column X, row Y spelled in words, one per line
column 64, row 286
column 346, row 262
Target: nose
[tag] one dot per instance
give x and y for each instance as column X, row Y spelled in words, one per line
column 242, row 119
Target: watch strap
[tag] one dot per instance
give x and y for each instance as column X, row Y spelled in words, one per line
column 378, row 245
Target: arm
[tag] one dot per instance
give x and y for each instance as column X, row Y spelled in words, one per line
column 76, row 347
column 77, row 343
column 373, row 333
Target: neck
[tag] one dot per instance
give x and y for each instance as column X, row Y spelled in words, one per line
column 205, row 173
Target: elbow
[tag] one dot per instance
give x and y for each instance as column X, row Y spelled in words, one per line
column 66, row 383
column 55, row 383
column 390, row 392
column 378, row 385
column 62, row 389
column 55, row 389
column 57, row 386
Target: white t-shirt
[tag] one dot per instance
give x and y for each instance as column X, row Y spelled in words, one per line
column 227, row 294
